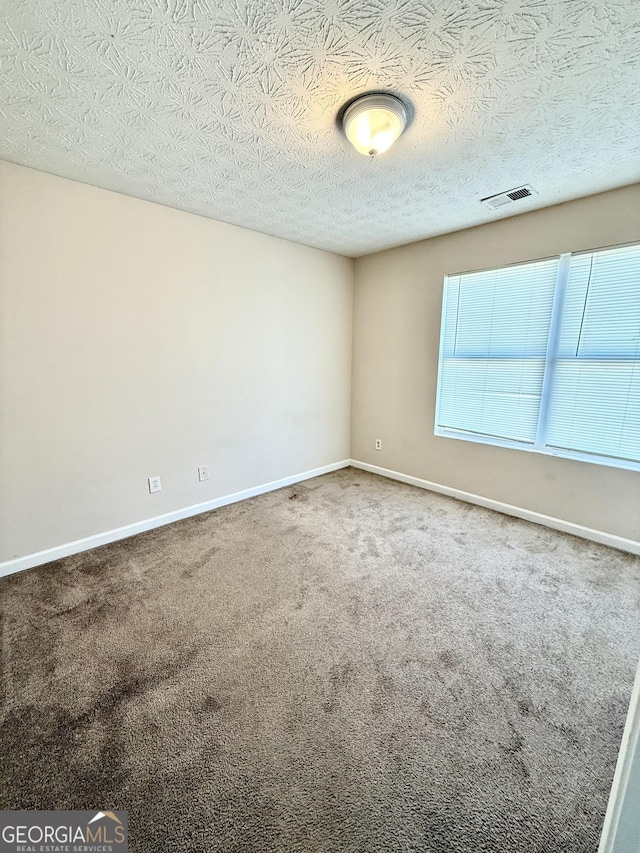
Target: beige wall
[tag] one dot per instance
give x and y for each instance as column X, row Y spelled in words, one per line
column 397, row 308
column 138, row 340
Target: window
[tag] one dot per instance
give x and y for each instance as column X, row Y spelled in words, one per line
column 545, row 356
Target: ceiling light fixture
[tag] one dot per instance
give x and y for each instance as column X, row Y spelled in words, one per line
column 373, row 122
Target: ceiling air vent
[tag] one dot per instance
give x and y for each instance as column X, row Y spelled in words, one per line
column 500, row 199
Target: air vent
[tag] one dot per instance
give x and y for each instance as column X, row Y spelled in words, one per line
column 508, row 197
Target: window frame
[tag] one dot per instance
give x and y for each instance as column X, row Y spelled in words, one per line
column 551, row 360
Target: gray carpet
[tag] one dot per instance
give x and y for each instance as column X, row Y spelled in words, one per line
column 349, row 665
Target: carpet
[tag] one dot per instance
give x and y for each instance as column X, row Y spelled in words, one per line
column 347, row 665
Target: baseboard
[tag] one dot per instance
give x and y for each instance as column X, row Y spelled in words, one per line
column 617, row 835
column 19, row 564
column 56, row 553
column 629, row 545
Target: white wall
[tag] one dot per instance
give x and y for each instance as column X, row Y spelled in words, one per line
column 398, row 297
column 138, row 340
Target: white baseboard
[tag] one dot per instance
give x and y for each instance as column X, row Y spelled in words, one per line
column 600, row 536
column 621, row 830
column 30, row 560
column 18, row 564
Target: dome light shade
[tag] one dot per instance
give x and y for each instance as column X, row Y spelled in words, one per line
column 372, row 123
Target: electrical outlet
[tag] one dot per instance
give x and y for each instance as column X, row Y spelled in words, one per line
column 378, row 444
column 203, row 473
column 155, row 485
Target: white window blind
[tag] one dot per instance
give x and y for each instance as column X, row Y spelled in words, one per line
column 495, row 332
column 545, row 356
column 595, row 407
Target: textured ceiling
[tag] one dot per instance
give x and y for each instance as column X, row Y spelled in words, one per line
column 228, row 108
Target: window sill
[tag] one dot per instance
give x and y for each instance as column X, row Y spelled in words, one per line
column 576, row 456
